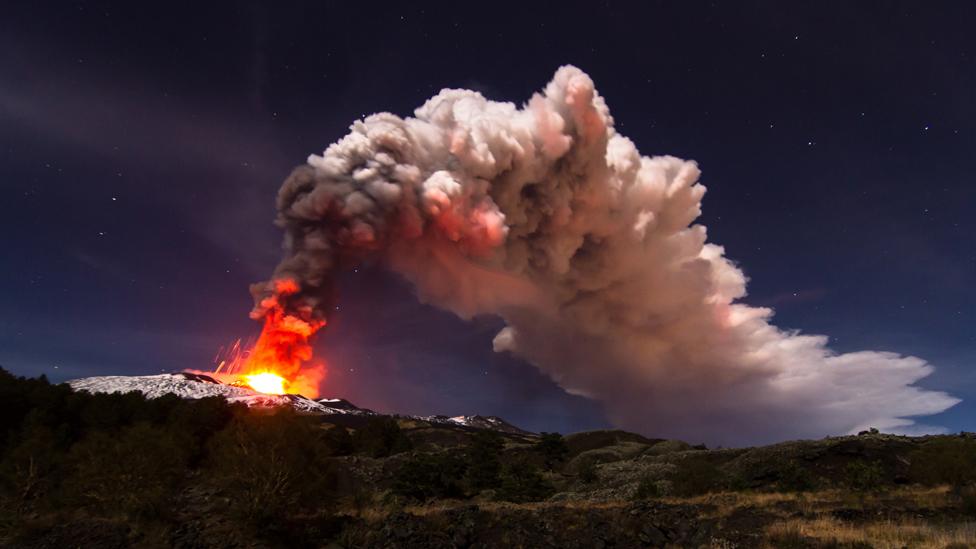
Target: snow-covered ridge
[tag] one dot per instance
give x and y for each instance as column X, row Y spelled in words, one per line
column 493, row 423
column 189, row 385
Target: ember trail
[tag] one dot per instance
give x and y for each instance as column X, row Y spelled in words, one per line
column 281, row 360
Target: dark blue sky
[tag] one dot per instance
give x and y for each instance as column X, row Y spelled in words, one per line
column 141, row 147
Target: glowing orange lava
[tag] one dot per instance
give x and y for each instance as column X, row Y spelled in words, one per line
column 266, row 382
column 281, row 360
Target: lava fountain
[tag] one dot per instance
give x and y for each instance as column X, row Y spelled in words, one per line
column 280, row 361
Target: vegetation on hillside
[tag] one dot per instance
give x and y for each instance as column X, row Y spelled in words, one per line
column 83, row 469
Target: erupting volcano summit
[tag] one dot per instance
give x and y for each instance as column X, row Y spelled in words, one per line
column 548, row 218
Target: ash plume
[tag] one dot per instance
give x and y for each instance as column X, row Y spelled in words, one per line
column 548, row 218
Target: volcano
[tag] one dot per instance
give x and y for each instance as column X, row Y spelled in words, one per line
column 193, row 385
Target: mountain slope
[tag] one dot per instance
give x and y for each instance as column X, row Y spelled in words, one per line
column 191, row 386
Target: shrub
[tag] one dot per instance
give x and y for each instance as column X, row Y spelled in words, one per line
column 381, row 437
column 483, row 465
column 31, row 470
column 270, row 466
column 553, row 449
column 521, row 482
column 965, row 494
column 944, row 461
column 586, row 471
column 429, row 476
column 340, row 441
column 863, row 476
column 136, row 473
column 794, row 477
column 647, row 488
column 694, row 476
column 199, row 420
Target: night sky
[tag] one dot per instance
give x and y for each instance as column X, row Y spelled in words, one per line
column 142, row 145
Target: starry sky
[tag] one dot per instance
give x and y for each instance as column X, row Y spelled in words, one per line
column 142, row 145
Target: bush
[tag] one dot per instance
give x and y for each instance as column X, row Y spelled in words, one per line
column 137, row 472
column 863, row 476
column 694, row 476
column 270, row 466
column 647, row 488
column 553, row 449
column 430, row 476
column 340, row 441
column 483, row 465
column 198, row 420
column 381, row 437
column 944, row 461
column 586, row 471
column 31, row 470
column 794, row 477
column 521, row 482
column 965, row 494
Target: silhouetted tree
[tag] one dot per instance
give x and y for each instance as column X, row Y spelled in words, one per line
column 340, row 441
column 586, row 471
column 864, row 476
column 522, row 482
column 484, row 467
column 137, row 471
column 429, row 476
column 553, row 449
column 381, row 437
column 270, row 466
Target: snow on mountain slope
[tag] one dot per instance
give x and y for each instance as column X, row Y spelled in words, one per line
column 492, row 423
column 189, row 385
column 181, row 385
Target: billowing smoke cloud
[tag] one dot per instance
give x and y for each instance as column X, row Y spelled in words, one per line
column 550, row 219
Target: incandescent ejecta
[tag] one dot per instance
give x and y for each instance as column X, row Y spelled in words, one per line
column 547, row 217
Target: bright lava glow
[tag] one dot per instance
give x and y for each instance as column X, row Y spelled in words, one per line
column 280, row 361
column 266, row 382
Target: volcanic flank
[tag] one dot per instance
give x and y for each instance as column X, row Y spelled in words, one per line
column 191, row 386
column 548, row 218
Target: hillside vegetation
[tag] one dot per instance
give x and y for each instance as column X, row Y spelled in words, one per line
column 112, row 470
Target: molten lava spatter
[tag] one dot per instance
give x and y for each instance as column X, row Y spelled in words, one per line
column 266, row 382
column 279, row 362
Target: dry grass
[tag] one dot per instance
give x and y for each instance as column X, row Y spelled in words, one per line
column 439, row 507
column 803, row 516
column 726, row 503
column 881, row 534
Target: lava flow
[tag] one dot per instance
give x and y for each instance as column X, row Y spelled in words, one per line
column 279, row 362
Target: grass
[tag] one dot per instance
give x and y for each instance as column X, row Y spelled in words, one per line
column 727, row 502
column 811, row 503
column 803, row 520
column 884, row 534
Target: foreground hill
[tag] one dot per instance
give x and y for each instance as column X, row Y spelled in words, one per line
column 116, row 469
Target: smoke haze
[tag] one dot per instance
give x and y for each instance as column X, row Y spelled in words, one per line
column 548, row 218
